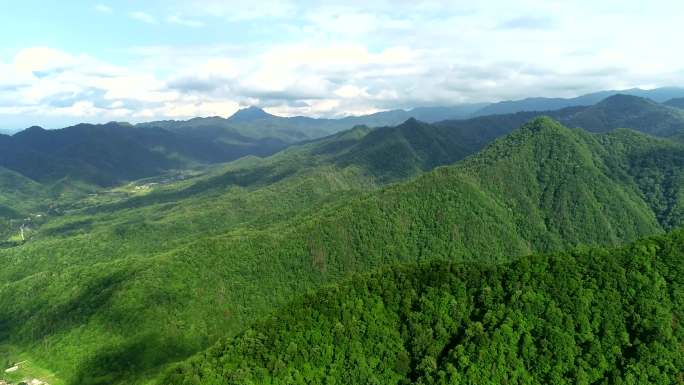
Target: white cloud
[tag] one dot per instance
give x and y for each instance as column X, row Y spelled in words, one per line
column 241, row 10
column 143, row 17
column 353, row 57
column 175, row 19
column 103, row 8
column 37, row 59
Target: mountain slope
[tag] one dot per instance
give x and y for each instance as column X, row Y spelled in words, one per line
column 547, row 104
column 677, row 102
column 255, row 123
column 19, row 192
column 617, row 111
column 109, row 154
column 624, row 111
column 376, row 155
column 116, row 297
column 567, row 318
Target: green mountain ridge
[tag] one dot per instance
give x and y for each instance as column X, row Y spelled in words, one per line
column 577, row 317
column 109, row 154
column 676, row 102
column 658, row 95
column 253, row 122
column 624, row 111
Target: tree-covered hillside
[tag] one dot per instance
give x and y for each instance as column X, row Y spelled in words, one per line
column 105, row 155
column 676, row 102
column 658, row 95
column 582, row 317
column 624, row 111
column 113, row 296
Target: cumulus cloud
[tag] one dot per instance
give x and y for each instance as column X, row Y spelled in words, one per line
column 103, row 8
column 328, row 59
column 242, row 10
column 175, row 19
column 143, row 17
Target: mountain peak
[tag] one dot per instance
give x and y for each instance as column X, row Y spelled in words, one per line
column 411, row 122
column 35, row 129
column 541, row 123
column 624, row 101
column 250, row 113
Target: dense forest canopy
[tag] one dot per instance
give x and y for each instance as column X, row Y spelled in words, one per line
column 582, row 317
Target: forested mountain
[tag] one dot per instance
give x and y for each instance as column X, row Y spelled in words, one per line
column 16, row 190
column 105, row 155
column 253, row 122
column 108, row 154
column 370, row 156
column 390, row 153
column 659, row 95
column 113, row 295
column 624, row 111
column 677, row 102
column 580, row 317
column 617, row 111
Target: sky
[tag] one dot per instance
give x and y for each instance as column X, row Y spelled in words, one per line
column 65, row 62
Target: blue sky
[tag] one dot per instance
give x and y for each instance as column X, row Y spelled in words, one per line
column 63, row 62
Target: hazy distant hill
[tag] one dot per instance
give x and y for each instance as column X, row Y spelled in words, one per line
column 546, row 104
column 253, row 122
column 625, row 111
column 616, row 111
column 111, row 153
column 677, row 102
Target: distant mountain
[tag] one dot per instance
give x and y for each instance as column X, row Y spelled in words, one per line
column 255, row 123
column 111, row 153
column 616, row 111
column 424, row 114
column 547, row 104
column 115, row 152
column 625, row 111
column 677, row 102
column 393, row 153
column 250, row 114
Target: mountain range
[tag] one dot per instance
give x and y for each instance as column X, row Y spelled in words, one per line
column 113, row 153
column 676, row 102
column 161, row 279
column 658, row 95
